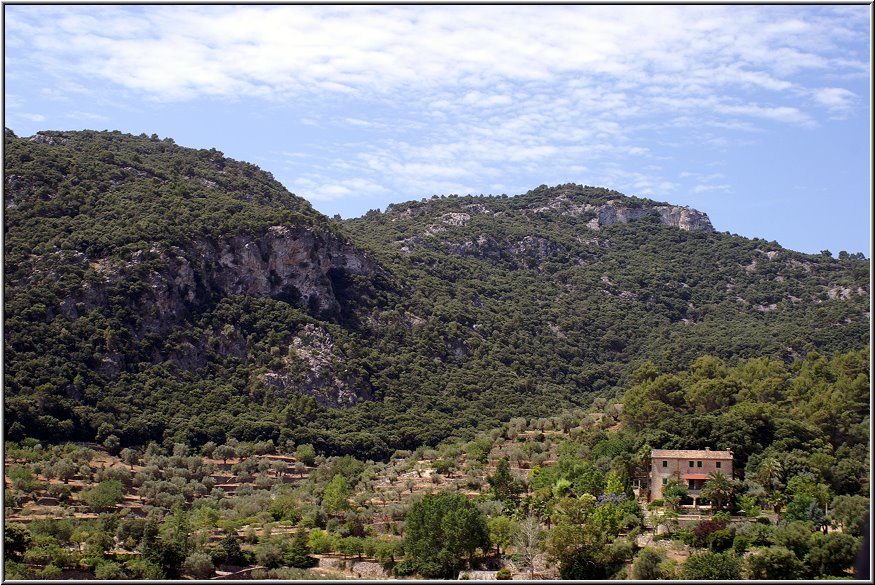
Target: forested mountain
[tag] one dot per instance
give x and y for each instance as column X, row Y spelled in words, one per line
column 155, row 292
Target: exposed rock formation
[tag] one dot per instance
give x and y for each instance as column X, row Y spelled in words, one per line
column 618, row 211
column 316, row 366
column 292, row 263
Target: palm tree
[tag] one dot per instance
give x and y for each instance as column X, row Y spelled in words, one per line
column 718, row 488
column 771, row 473
column 673, row 493
column 777, row 500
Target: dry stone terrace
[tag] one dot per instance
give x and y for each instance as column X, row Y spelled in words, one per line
column 243, row 491
column 386, row 493
column 41, row 505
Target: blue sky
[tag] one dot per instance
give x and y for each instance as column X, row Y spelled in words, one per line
column 759, row 116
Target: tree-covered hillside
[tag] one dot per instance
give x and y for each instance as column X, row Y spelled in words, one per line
column 530, row 266
column 561, row 496
column 154, row 292
column 104, row 193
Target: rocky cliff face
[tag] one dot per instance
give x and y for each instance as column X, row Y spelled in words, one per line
column 316, row 366
column 618, row 211
column 163, row 287
column 685, row 218
column 680, row 217
column 296, row 264
column 123, row 253
column 433, row 226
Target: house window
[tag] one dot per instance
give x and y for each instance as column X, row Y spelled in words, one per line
column 692, row 484
column 664, row 480
column 698, row 464
column 718, row 465
column 665, row 464
column 691, row 463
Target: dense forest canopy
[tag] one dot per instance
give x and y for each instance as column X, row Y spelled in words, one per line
column 557, row 496
column 444, row 316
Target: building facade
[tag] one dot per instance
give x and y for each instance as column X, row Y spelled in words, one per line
column 689, row 466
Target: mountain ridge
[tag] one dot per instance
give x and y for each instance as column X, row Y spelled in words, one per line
column 177, row 295
column 601, row 207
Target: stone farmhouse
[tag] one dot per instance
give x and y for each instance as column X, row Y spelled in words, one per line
column 690, row 466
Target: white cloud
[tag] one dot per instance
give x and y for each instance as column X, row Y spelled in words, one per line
column 837, row 100
column 723, row 188
column 32, row 117
column 362, row 123
column 705, row 183
column 179, row 52
column 87, row 116
column 316, row 187
column 476, row 98
column 469, row 96
column 775, row 113
column 700, row 176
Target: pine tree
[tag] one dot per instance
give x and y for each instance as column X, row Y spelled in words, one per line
column 298, row 554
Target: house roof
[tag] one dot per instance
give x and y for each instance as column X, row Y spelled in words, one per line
column 689, row 454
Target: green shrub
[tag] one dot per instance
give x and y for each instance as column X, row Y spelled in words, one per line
column 740, row 544
column 199, row 565
column 774, row 562
column 720, row 540
column 109, row 570
column 711, row 566
column 404, row 569
column 647, row 564
column 686, row 536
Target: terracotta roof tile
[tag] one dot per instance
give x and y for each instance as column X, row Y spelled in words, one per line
column 689, row 454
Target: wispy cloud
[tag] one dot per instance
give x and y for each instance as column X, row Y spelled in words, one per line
column 362, row 123
column 837, row 100
column 184, row 51
column 329, row 188
column 470, row 96
column 87, row 116
column 721, row 188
